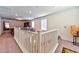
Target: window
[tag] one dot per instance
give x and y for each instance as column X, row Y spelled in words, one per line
column 44, row 24
column 6, row 25
column 33, row 24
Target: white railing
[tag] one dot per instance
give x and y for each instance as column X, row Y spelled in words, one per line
column 36, row 42
column 26, row 40
column 48, row 41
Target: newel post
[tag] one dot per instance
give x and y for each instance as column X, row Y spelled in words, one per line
column 39, row 42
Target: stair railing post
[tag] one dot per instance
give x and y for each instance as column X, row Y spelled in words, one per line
column 39, row 42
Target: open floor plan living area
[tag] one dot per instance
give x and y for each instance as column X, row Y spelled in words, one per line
column 39, row 29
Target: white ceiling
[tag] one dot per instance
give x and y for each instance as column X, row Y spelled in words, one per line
column 28, row 12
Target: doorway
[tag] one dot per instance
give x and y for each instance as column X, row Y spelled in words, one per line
column 6, row 26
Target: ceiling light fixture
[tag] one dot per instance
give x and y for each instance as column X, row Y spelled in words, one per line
column 16, row 14
column 19, row 18
column 54, row 7
column 30, row 11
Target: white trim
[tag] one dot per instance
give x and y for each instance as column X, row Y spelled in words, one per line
column 53, row 50
column 49, row 31
column 21, row 47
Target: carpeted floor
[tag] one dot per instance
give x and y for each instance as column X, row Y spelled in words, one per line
column 8, row 44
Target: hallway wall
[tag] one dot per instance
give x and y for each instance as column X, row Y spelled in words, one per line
column 1, row 26
column 62, row 21
column 37, row 24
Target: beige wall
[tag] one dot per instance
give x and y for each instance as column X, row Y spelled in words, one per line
column 37, row 25
column 62, row 21
column 1, row 26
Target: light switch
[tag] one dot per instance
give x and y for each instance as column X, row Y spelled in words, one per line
column 65, row 27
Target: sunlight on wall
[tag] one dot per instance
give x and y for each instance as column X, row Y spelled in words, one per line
column 33, row 24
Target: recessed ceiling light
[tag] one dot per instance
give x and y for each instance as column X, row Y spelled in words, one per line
column 54, row 7
column 30, row 11
column 16, row 14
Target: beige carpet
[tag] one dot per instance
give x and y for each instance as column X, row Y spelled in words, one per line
column 8, row 44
